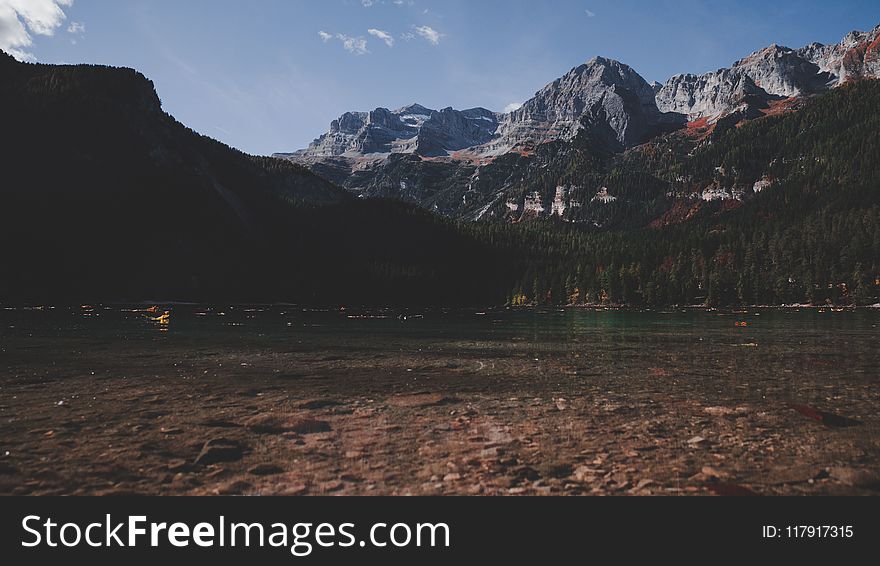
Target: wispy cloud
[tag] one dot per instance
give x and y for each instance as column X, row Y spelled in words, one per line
column 512, row 107
column 383, row 35
column 590, row 13
column 430, row 34
column 355, row 45
column 371, row 3
column 76, row 28
column 21, row 18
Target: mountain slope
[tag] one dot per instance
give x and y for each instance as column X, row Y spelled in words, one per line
column 97, row 175
column 107, row 197
column 607, row 93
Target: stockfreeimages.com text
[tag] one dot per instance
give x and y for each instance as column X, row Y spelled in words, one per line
column 300, row 538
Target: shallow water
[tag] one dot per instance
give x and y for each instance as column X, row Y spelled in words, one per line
column 578, row 382
column 804, row 355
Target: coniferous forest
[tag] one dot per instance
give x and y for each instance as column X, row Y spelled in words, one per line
column 106, row 197
column 813, row 237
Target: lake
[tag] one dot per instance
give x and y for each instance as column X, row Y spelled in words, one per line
column 281, row 400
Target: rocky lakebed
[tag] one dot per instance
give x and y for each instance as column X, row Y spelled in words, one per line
column 276, row 401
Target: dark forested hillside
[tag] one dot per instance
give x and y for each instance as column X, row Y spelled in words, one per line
column 106, row 197
column 104, row 194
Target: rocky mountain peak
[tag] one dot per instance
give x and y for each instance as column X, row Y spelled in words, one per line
column 383, row 118
column 781, row 71
column 710, row 94
column 601, row 91
column 348, row 123
column 411, row 129
column 774, row 72
column 856, row 56
column 414, row 109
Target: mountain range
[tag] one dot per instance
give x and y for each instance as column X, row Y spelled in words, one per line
column 441, row 159
column 756, row 184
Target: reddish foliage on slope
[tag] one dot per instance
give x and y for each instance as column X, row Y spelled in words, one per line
column 779, row 107
column 681, row 212
column 699, row 129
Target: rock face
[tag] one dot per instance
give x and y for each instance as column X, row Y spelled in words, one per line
column 602, row 92
column 710, row 94
column 411, row 129
column 774, row 72
column 857, row 56
column 451, row 130
column 780, row 71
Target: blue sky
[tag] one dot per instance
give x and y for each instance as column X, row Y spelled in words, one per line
column 260, row 75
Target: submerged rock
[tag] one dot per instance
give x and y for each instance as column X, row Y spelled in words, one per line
column 220, row 450
column 824, row 417
column 271, row 423
column 265, row 470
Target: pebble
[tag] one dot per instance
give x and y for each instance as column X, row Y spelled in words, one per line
column 286, row 423
column 265, row 470
column 585, row 472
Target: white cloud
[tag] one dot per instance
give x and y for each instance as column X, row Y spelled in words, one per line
column 355, row 45
column 76, row 28
column 21, row 18
column 429, row 34
column 407, row 36
column 371, row 3
column 590, row 13
column 513, row 106
column 383, row 35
